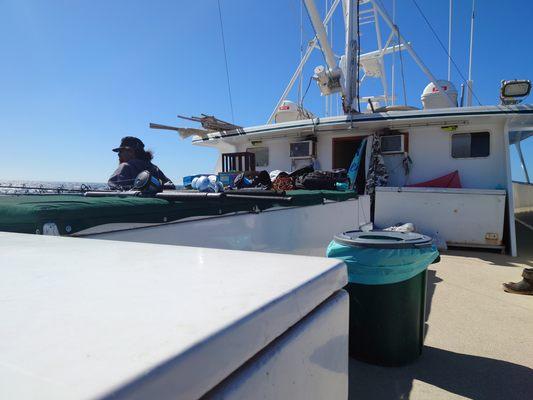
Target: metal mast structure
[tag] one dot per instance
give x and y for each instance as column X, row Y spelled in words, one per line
column 342, row 77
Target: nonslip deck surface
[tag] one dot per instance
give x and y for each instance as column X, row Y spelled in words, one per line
column 479, row 342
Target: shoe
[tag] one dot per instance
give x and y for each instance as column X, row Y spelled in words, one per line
column 525, row 286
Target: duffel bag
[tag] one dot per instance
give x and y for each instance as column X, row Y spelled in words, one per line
column 317, row 180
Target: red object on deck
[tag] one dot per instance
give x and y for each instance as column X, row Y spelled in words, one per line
column 447, row 181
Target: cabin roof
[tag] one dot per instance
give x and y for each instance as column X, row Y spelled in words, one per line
column 519, row 116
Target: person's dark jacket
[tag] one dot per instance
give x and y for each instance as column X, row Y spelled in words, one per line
column 125, row 174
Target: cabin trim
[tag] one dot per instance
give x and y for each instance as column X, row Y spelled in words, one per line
column 363, row 118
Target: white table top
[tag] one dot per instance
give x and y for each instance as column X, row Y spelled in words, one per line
column 83, row 318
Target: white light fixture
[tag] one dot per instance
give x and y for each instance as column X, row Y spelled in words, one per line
column 513, row 92
column 328, row 81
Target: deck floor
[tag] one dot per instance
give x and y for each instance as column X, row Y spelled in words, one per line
column 479, row 339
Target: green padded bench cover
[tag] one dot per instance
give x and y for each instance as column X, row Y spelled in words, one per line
column 72, row 213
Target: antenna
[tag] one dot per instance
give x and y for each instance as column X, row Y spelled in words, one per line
column 469, row 82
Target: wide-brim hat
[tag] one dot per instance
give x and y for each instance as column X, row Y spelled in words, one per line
column 130, row 142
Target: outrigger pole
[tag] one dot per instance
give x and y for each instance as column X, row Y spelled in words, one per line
column 321, row 34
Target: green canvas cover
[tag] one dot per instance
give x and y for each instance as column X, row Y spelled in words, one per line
column 72, row 213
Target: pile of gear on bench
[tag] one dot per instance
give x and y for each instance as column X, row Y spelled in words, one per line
column 306, row 178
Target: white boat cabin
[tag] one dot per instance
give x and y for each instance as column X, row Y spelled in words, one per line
column 417, row 146
column 445, row 168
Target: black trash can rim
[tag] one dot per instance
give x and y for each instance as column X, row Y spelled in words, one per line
column 383, row 239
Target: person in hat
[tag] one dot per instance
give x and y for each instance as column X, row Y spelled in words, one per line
column 134, row 159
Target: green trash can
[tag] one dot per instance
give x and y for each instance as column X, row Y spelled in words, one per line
column 387, row 287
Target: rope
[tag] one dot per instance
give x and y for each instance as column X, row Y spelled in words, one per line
column 226, row 61
column 443, row 47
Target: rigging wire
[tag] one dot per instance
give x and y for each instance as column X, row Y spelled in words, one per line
column 226, row 61
column 443, row 47
column 306, row 90
column 403, row 75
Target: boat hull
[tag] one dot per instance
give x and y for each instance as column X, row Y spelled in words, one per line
column 289, row 230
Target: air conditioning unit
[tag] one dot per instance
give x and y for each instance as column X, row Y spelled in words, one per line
column 303, row 149
column 392, row 144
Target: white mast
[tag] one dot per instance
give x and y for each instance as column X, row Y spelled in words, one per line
column 351, row 54
column 343, row 77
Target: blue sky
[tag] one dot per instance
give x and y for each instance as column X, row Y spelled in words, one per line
column 76, row 76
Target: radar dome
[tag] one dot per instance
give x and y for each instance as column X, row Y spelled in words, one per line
column 433, row 97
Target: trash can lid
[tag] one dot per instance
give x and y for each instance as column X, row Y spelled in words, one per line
column 383, row 239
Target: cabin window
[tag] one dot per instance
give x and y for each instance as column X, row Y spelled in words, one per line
column 261, row 155
column 470, row 145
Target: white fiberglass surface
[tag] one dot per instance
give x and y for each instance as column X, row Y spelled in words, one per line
column 456, row 216
column 308, row 362
column 82, row 318
column 299, row 230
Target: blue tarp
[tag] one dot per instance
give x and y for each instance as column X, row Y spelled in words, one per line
column 375, row 266
column 354, row 166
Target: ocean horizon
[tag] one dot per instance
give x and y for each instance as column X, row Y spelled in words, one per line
column 21, row 186
column 17, row 186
